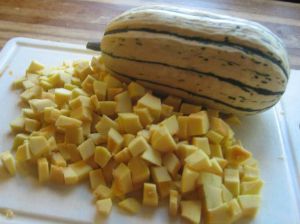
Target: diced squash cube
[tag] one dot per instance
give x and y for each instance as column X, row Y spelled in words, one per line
column 251, row 162
column 152, row 156
column 100, row 89
column 67, row 122
column 130, row 205
column 105, row 124
column 172, row 163
column 236, row 154
column 30, row 113
column 86, row 128
column 162, row 140
column 70, row 176
column 152, row 103
column 38, row 145
column 127, row 139
column 232, row 180
column 210, row 179
column 77, row 92
column 87, row 84
column 39, row 105
column 198, row 123
column 112, row 82
column 191, row 210
column 96, row 178
column 19, row 140
column 187, row 108
column 202, row 143
column 250, row 173
column 219, row 214
column 94, row 103
column 222, row 162
column 58, row 160
column 160, row 174
column 62, row 96
column 198, row 161
column 144, row 133
column 214, row 137
column 116, row 191
column 33, row 92
column 81, row 168
column 249, row 204
column 213, row 196
column 98, row 138
column 251, row 187
column 80, row 101
column 81, row 113
column 216, row 150
column 102, row 156
column 86, row 149
column 166, row 111
column 51, row 114
column 108, row 170
column 114, row 141
column 17, row 125
column 69, row 86
column 74, row 135
column 139, row 170
column 234, row 209
column 112, row 92
column 123, row 156
column 102, row 192
column 174, row 201
column 57, row 174
column 123, row 101
column 82, row 68
column 136, row 91
column 226, row 194
column 43, row 169
column 171, row 124
column 56, row 80
column 150, row 196
column 31, row 125
column 75, row 81
column 104, row 206
column 130, row 122
column 144, row 114
column 8, row 162
column 182, row 127
column 184, row 150
column 23, row 152
column 188, row 180
column 164, row 189
column 18, row 83
column 34, row 67
column 219, row 126
column 108, row 108
column 122, row 178
column 138, row 146
column 215, row 167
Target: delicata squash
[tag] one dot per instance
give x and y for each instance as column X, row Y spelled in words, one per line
column 230, row 64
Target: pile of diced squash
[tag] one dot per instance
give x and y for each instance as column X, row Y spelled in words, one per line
column 78, row 122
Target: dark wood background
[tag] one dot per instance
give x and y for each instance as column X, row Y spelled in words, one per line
column 77, row 21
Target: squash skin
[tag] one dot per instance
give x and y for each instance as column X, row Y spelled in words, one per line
column 229, row 64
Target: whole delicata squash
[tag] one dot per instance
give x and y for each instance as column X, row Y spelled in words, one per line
column 230, row 64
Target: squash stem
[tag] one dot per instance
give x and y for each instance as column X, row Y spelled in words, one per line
column 93, row 46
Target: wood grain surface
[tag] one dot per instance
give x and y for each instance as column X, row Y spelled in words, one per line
column 79, row 21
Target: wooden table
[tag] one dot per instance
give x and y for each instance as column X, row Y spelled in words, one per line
column 78, row 21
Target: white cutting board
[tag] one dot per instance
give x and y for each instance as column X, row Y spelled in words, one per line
column 272, row 137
